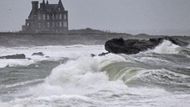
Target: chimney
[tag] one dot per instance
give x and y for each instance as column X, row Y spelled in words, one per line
column 34, row 5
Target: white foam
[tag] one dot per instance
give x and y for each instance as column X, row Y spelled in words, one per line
column 21, row 83
column 149, row 100
column 166, row 47
column 73, row 81
column 81, row 76
column 153, row 60
column 81, row 81
column 108, row 59
column 53, row 53
column 15, row 62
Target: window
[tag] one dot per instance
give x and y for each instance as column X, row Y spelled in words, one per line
column 56, row 16
column 39, row 25
column 65, row 16
column 44, row 17
column 48, row 24
column 65, row 24
column 60, row 16
column 39, row 17
column 53, row 17
column 60, row 24
column 53, row 24
column 47, row 17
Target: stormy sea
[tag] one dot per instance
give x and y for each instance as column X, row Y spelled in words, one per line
column 75, row 76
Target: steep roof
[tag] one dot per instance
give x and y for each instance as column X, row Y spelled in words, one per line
column 53, row 7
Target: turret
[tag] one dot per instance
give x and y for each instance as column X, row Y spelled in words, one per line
column 42, row 5
column 60, row 4
column 34, row 5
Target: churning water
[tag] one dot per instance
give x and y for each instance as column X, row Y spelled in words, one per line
column 67, row 76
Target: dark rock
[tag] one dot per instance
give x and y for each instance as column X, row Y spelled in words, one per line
column 134, row 46
column 131, row 46
column 16, row 56
column 38, row 53
column 103, row 54
column 92, row 55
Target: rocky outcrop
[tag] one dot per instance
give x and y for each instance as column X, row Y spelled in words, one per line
column 16, row 56
column 134, row 46
column 38, row 54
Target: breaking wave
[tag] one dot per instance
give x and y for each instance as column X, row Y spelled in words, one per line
column 166, row 47
column 82, row 76
column 147, row 79
column 88, row 75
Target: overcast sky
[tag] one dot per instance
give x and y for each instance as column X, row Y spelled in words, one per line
column 130, row 16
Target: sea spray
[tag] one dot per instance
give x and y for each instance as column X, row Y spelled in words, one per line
column 166, row 47
column 82, row 76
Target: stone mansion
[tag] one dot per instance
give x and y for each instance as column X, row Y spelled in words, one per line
column 47, row 18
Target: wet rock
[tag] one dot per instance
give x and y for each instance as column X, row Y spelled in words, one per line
column 134, row 46
column 16, row 56
column 103, row 53
column 92, row 55
column 38, row 54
